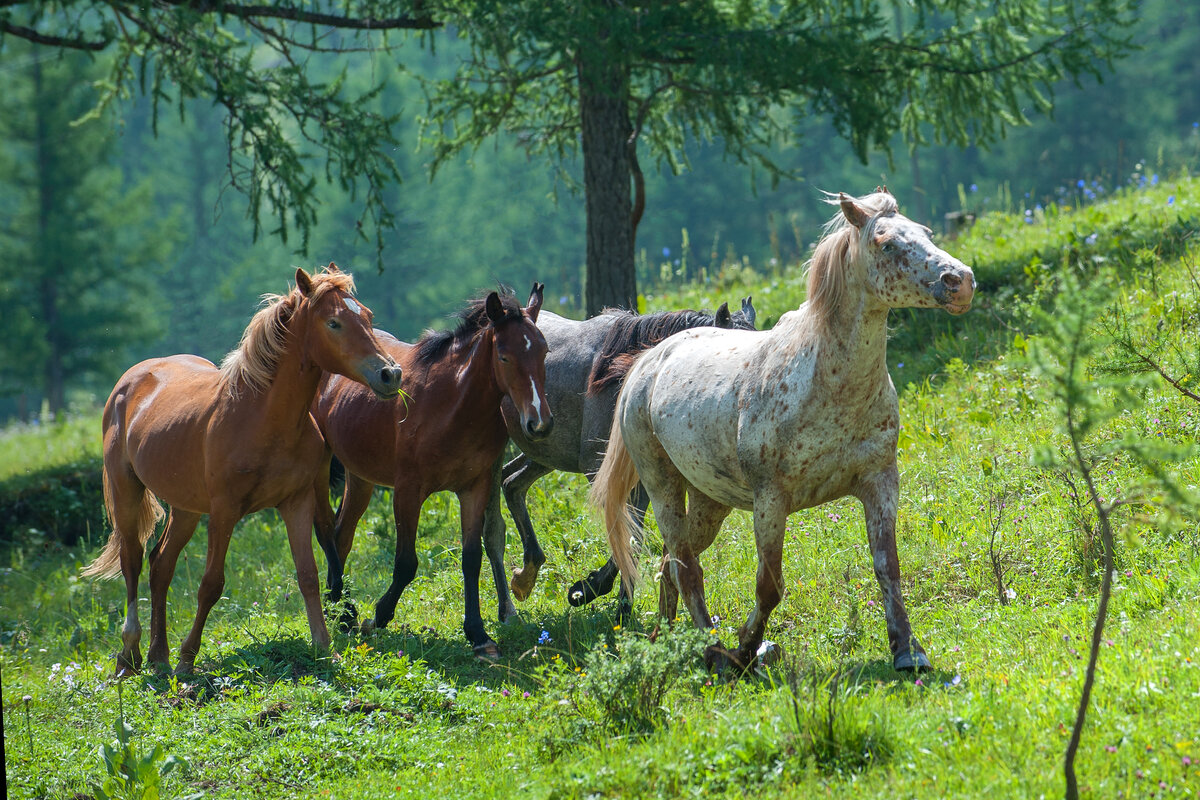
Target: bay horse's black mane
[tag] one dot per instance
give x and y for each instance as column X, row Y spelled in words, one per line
column 434, row 345
column 632, row 333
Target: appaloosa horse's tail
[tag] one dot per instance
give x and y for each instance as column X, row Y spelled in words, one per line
column 149, row 513
column 614, row 481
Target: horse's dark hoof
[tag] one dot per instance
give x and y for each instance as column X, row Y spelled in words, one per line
column 348, row 619
column 488, row 651
column 908, row 660
column 723, row 662
column 585, row 591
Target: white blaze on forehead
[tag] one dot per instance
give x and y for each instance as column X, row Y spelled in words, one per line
column 528, row 344
column 537, row 400
column 352, row 305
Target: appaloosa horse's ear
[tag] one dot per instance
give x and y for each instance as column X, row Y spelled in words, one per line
column 535, row 300
column 303, row 281
column 494, row 308
column 855, row 214
column 723, row 319
column 748, row 309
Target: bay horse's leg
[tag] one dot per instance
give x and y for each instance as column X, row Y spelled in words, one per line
column 879, row 496
column 473, row 503
column 406, row 506
column 770, row 521
column 520, row 474
column 220, row 530
column 297, row 513
column 181, row 525
column 355, row 499
column 493, row 544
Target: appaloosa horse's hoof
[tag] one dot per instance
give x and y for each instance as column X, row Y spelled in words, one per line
column 723, row 662
column 908, row 660
column 488, row 651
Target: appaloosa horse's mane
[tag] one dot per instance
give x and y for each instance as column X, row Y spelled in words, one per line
column 632, row 333
column 433, row 345
column 257, row 355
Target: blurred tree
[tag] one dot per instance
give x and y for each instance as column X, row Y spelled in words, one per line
column 82, row 249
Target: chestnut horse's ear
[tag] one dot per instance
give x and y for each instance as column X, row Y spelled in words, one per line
column 748, row 309
column 855, row 214
column 535, row 300
column 723, row 318
column 494, row 308
column 303, row 281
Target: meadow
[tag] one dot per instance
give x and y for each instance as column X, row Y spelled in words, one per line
column 999, row 552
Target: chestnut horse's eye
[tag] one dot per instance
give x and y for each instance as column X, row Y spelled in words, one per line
column 333, row 324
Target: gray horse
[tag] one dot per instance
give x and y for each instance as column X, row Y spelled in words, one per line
column 580, row 353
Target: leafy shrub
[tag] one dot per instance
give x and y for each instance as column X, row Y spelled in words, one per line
column 63, row 503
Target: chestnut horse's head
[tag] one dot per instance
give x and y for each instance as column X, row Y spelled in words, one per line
column 903, row 267
column 340, row 337
column 519, row 359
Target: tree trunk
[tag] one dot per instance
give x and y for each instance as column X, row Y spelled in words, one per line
column 603, row 99
column 52, row 371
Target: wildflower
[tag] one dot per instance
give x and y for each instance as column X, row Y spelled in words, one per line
column 1112, row 748
column 900, row 365
column 1171, row 200
column 544, row 638
column 666, row 252
column 974, row 188
column 1010, row 593
column 918, row 682
column 1187, row 761
column 505, row 693
column 1091, row 239
column 525, row 694
column 1080, row 183
column 1154, row 179
column 870, row 602
column 955, row 681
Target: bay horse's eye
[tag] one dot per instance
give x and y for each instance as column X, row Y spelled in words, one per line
column 333, row 324
column 503, row 359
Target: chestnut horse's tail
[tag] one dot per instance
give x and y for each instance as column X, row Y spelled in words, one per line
column 150, row 512
column 614, row 481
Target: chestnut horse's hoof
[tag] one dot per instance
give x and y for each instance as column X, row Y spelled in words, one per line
column 908, row 660
column 488, row 651
column 523, row 581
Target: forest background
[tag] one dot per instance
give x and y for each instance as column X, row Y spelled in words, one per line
column 166, row 259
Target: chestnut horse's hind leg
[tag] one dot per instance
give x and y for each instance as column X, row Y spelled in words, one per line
column 297, row 513
column 220, row 529
column 879, row 498
column 128, row 496
column 181, row 525
column 519, row 475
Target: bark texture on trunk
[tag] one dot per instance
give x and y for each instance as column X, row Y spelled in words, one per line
column 603, row 98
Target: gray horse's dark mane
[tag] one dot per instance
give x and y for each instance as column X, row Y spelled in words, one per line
column 632, row 333
column 433, row 345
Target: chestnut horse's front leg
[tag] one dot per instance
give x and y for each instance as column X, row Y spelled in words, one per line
column 297, row 513
column 473, row 503
column 880, row 495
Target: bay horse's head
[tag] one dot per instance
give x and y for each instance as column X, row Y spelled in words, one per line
column 339, row 336
column 519, row 358
column 904, row 268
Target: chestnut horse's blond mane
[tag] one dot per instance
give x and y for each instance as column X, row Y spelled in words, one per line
column 265, row 338
column 840, row 245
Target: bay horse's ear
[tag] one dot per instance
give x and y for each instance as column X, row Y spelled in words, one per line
column 303, row 281
column 494, row 308
column 723, row 318
column 535, row 300
column 855, row 214
column 332, row 267
column 748, row 309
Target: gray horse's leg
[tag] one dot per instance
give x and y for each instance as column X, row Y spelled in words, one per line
column 520, row 474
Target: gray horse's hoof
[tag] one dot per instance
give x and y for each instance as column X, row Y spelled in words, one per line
column 911, row 661
column 367, row 627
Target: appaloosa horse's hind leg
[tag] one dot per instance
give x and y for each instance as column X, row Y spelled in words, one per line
column 520, row 474
column 770, row 520
column 181, row 525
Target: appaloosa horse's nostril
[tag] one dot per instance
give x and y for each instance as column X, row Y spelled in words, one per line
column 952, row 280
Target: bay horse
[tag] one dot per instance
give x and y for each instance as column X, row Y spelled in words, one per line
column 226, row 442
column 780, row 420
column 580, row 354
column 447, row 436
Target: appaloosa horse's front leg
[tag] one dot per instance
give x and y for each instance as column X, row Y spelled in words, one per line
column 879, row 496
column 297, row 513
column 770, row 521
column 519, row 475
column 473, row 503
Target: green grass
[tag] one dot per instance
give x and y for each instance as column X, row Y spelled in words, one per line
column 409, row 712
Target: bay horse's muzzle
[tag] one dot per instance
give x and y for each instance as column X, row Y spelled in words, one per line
column 539, row 428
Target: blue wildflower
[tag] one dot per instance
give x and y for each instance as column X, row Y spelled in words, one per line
column 1091, row 239
column 666, row 252
column 974, row 188
column 1154, row 179
column 544, row 638
column 1171, row 200
column 1080, row 183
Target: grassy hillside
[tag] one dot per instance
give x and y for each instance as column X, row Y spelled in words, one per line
column 580, row 708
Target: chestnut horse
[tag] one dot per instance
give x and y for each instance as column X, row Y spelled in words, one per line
column 446, row 436
column 227, row 442
column 780, row 420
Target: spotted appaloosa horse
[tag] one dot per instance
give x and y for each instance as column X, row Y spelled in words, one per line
column 780, row 420
column 581, row 352
column 447, row 436
column 226, row 442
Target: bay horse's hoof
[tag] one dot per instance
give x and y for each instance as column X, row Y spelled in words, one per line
column 908, row 660
column 488, row 651
column 523, row 581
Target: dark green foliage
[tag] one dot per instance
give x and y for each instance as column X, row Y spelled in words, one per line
column 62, row 503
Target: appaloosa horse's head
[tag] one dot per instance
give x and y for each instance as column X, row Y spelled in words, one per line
column 904, row 268
column 520, row 360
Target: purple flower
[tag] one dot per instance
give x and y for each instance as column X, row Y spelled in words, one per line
column 505, row 692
